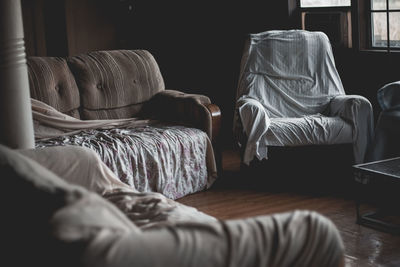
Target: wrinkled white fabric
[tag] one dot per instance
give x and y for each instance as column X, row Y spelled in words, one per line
column 49, row 122
column 138, row 151
column 79, row 166
column 299, row 238
column 255, row 124
column 292, row 73
column 288, row 79
column 357, row 110
column 82, row 166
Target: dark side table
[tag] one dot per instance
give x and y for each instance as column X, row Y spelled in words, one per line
column 378, row 185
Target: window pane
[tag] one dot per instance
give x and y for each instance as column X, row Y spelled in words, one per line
column 379, row 29
column 378, row 4
column 324, row 3
column 394, row 4
column 394, row 29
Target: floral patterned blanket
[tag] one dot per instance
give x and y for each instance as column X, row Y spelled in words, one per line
column 170, row 159
column 147, row 155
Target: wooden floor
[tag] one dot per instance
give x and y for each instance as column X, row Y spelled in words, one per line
column 232, row 197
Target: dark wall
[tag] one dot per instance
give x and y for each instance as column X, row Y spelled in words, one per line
column 198, row 44
column 363, row 73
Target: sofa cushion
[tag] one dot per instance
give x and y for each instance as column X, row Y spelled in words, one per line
column 51, row 81
column 114, row 84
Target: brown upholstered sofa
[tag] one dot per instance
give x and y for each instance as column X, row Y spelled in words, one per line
column 124, row 84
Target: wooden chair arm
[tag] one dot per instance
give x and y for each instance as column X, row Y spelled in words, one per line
column 215, row 121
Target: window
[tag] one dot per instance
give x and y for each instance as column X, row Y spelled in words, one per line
column 332, row 17
column 385, row 24
column 324, row 3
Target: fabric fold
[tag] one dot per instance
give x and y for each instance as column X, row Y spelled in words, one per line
column 147, row 155
column 298, row 238
column 357, row 110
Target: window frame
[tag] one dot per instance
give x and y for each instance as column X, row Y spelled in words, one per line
column 348, row 10
column 370, row 28
column 361, row 26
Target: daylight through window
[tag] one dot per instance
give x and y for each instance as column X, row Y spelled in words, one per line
column 324, row 3
column 385, row 23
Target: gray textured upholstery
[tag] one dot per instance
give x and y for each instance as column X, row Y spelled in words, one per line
column 51, row 81
column 115, row 84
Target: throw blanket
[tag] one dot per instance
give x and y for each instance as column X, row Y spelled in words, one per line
column 148, row 156
column 83, row 167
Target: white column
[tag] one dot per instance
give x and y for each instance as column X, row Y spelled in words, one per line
column 16, row 126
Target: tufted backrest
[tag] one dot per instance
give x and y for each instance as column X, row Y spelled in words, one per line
column 51, row 81
column 115, row 84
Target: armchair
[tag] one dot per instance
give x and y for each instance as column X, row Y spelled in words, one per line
column 290, row 94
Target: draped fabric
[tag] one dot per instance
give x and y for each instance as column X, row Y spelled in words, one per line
column 289, row 78
column 170, row 160
column 146, row 155
column 297, row 238
column 83, row 167
column 292, row 73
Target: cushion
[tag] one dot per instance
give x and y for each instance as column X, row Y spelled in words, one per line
column 51, row 82
column 115, row 84
column 308, row 130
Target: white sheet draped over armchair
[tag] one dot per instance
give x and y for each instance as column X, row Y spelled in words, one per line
column 290, row 94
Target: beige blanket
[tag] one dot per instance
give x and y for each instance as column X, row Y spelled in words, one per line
column 144, row 209
column 48, row 122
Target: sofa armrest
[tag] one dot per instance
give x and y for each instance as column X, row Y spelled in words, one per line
column 185, row 109
column 215, row 121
